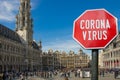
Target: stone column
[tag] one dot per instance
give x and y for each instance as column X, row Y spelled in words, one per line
column 110, row 64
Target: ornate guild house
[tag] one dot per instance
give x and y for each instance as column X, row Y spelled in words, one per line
column 18, row 50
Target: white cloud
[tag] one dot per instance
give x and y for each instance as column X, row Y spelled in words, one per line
column 8, row 9
column 64, row 45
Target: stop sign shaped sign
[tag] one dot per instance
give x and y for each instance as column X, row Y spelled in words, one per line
column 95, row 29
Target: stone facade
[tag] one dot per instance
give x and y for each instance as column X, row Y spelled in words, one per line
column 60, row 60
column 50, row 60
column 111, row 55
column 18, row 50
column 100, row 59
column 74, row 60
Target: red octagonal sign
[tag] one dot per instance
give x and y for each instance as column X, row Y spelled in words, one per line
column 95, row 29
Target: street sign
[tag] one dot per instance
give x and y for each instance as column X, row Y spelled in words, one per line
column 95, row 29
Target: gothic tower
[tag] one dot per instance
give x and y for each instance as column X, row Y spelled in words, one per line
column 24, row 26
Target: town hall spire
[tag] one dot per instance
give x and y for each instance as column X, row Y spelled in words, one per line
column 24, row 25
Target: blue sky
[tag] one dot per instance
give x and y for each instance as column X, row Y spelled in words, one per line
column 53, row 19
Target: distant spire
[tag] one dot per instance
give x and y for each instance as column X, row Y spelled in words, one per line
column 40, row 45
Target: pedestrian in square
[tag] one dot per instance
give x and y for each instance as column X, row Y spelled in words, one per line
column 115, row 74
column 66, row 78
column 75, row 73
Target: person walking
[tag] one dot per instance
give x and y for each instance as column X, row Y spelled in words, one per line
column 4, row 76
column 75, row 73
column 21, row 77
column 115, row 74
column 66, row 78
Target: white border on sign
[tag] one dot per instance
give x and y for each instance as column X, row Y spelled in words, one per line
column 96, row 47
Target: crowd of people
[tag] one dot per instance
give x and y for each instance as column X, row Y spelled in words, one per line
column 25, row 75
column 116, row 72
column 12, row 75
column 66, row 74
column 42, row 74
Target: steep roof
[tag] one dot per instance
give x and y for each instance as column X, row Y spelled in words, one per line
column 8, row 33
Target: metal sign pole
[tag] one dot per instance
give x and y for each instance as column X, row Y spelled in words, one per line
column 94, row 68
